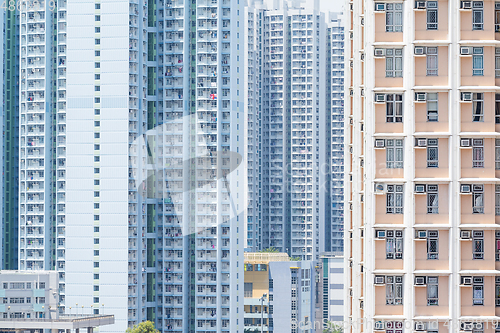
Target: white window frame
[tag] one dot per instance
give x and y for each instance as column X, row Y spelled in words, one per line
column 394, row 241
column 432, row 149
column 432, row 106
column 432, row 199
column 477, row 61
column 478, row 244
column 477, row 15
column 393, row 62
column 478, row 298
column 394, row 17
column 497, row 57
column 432, row 290
column 478, row 200
column 394, row 290
column 432, row 242
column 395, row 199
column 497, row 199
column 394, row 153
column 394, row 108
column 478, row 153
column 432, row 61
column 432, row 9
column 477, row 107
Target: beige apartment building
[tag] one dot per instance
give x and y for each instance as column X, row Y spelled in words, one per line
column 422, row 222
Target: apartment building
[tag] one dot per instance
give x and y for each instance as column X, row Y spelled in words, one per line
column 293, row 93
column 10, row 141
column 330, row 289
column 422, row 166
column 279, row 293
column 28, row 295
column 131, row 154
column 334, row 231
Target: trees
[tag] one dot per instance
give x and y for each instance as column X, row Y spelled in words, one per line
column 271, row 249
column 333, row 328
column 144, row 327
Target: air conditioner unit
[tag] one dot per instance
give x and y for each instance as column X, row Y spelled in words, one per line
column 419, row 50
column 351, row 34
column 379, row 6
column 421, row 142
column 420, row 280
column 379, row 326
column 380, row 188
column 362, row 92
column 379, row 52
column 466, row 97
column 380, row 234
column 420, row 97
column 465, row 50
column 465, row 143
column 420, row 188
column 379, row 98
column 465, row 188
column 497, row 5
column 351, row 92
column 464, row 234
column 351, row 121
column 433, row 233
column 477, row 188
column 379, row 143
column 420, row 326
column 419, row 4
column 466, row 5
column 379, row 279
column 466, row 280
column 422, row 234
column 362, row 57
column 466, row 326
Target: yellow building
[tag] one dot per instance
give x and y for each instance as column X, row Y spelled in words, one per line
column 422, row 136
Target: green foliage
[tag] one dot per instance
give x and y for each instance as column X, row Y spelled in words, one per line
column 271, row 249
column 294, row 258
column 333, row 328
column 144, row 327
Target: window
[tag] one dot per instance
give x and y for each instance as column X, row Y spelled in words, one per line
column 97, row 6
column 98, row 18
column 96, row 276
column 477, row 291
column 432, row 199
column 394, row 153
column 497, row 290
column 96, row 217
column 497, row 56
column 432, row 15
column 477, row 153
column 394, row 244
column 432, row 61
column 394, row 17
column 432, row 290
column 433, row 245
column 394, row 199
column 477, row 15
column 394, row 108
column 477, row 244
column 477, row 61
column 97, row 65
column 394, row 62
column 271, row 285
column 477, row 199
column 97, row 53
column 248, row 289
column 497, row 108
column 432, row 153
column 97, row 41
column 432, row 107
column 477, row 107
column 394, row 290
column 96, row 240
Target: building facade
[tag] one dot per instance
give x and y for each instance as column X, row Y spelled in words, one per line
column 10, row 140
column 131, row 153
column 280, row 292
column 422, row 173
column 29, row 295
column 330, row 289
